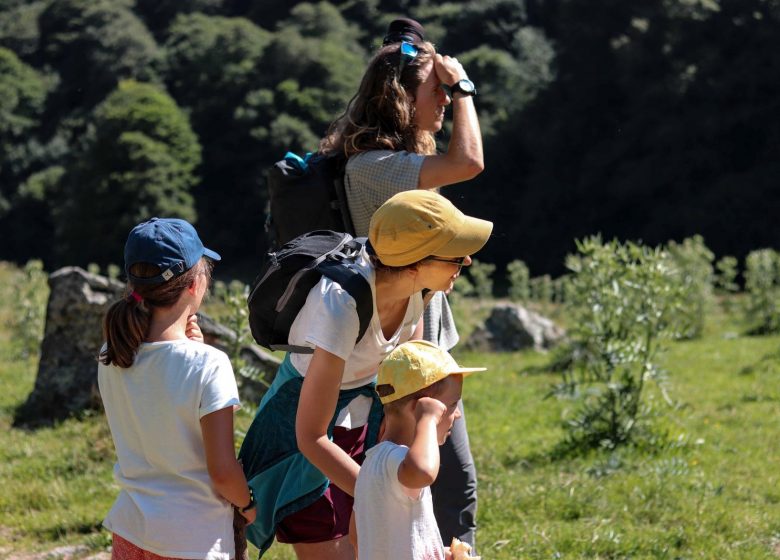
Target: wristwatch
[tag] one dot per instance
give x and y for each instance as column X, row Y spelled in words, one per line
column 465, row 86
column 251, row 503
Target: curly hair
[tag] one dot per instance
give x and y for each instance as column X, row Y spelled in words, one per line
column 381, row 114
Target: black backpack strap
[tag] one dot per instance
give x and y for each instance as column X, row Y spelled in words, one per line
column 349, row 277
column 339, row 170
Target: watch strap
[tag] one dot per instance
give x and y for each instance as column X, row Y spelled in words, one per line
column 251, row 503
column 456, row 88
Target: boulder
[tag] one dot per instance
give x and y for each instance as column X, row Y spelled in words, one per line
column 66, row 383
column 512, row 327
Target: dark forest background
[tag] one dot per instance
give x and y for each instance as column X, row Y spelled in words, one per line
column 648, row 119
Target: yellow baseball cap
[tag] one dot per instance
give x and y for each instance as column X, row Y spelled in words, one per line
column 416, row 224
column 415, row 365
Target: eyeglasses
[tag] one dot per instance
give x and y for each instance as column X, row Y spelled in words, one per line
column 458, row 260
column 408, row 53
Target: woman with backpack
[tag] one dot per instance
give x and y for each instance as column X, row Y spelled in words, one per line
column 302, row 452
column 387, row 134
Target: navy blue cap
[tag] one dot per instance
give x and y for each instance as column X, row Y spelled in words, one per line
column 170, row 243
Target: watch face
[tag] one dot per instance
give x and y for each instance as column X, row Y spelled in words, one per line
column 466, row 86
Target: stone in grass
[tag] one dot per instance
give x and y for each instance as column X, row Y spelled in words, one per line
column 512, row 327
column 66, row 384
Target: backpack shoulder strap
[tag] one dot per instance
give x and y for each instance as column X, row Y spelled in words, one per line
column 346, row 273
column 339, row 170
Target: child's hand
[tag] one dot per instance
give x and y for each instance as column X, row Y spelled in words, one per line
column 192, row 330
column 448, row 553
column 250, row 515
column 426, row 406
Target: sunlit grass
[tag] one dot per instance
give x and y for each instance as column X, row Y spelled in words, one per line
column 706, row 488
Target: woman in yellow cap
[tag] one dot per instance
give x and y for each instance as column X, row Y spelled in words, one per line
column 303, row 450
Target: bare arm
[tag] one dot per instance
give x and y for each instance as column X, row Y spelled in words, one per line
column 319, row 396
column 463, row 159
column 421, row 464
column 224, row 470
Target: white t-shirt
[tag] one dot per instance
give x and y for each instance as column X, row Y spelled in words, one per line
column 167, row 504
column 390, row 524
column 329, row 320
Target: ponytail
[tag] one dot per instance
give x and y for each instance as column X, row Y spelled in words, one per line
column 126, row 323
column 125, row 327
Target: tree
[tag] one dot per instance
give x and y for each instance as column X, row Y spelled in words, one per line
column 93, row 44
column 19, row 28
column 22, row 95
column 158, row 14
column 139, row 162
column 212, row 62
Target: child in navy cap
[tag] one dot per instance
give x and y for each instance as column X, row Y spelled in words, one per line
column 169, row 400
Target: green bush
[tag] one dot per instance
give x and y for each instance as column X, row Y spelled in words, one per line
column 623, row 300
column 561, row 289
column 481, row 277
column 462, row 288
column 727, row 269
column 518, row 277
column 542, row 289
column 692, row 261
column 29, row 309
column 762, row 284
column 235, row 316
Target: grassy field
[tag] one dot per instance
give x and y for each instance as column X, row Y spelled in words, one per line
column 708, row 489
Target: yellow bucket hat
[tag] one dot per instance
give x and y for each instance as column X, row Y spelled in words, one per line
column 416, row 224
column 413, row 366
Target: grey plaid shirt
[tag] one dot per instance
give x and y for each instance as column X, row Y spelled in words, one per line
column 372, row 178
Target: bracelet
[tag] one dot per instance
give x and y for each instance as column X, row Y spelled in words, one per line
column 251, row 503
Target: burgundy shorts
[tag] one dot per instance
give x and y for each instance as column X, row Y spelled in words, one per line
column 327, row 519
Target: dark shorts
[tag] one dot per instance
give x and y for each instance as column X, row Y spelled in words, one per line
column 327, row 519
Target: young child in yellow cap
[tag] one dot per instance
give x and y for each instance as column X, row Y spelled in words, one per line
column 419, row 385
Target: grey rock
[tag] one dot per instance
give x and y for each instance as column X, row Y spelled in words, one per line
column 66, row 383
column 512, row 327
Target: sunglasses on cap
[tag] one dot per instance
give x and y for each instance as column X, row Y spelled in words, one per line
column 408, row 53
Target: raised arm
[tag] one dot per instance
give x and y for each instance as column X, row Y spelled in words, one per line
column 319, row 396
column 463, row 159
column 421, row 464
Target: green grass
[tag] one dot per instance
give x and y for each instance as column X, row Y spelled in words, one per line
column 708, row 488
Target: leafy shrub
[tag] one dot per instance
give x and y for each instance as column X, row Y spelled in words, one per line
column 29, row 309
column 726, row 270
column 462, row 288
column 542, row 289
column 480, row 274
column 518, row 277
column 762, row 283
column 561, row 289
column 692, row 261
column 235, row 316
column 623, row 300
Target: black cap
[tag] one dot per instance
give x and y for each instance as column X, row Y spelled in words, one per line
column 404, row 29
